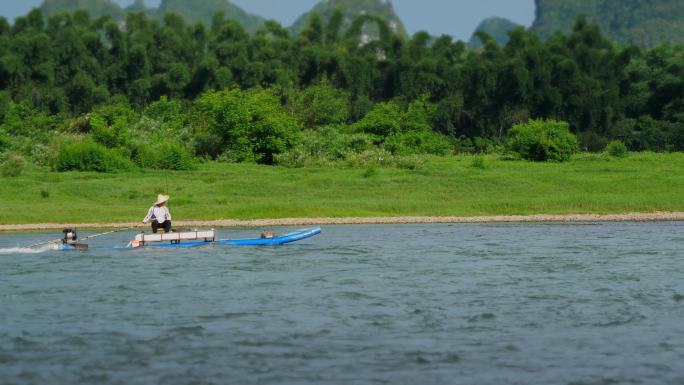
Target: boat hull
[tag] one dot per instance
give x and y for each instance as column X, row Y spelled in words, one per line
column 275, row 241
column 62, row 247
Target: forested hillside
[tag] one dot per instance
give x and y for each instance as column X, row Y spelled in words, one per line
column 192, row 10
column 496, row 28
column 138, row 6
column 637, row 22
column 204, row 10
column 350, row 11
column 95, row 8
column 75, row 86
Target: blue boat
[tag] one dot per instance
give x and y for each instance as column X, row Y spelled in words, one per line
column 274, row 241
column 58, row 247
column 68, row 247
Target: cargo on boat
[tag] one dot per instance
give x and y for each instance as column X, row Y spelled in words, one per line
column 173, row 238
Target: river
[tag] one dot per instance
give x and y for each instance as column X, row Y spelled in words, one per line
column 402, row 304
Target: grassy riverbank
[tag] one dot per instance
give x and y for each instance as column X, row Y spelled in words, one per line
column 453, row 186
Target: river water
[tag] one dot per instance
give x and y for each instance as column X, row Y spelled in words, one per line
column 408, row 304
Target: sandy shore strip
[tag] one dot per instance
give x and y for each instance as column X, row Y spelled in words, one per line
column 265, row 223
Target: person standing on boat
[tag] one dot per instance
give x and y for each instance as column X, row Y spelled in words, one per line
column 159, row 215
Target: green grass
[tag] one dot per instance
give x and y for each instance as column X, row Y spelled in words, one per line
column 453, row 186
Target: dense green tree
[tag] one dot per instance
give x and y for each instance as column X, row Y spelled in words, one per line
column 243, row 126
column 334, row 72
column 320, row 105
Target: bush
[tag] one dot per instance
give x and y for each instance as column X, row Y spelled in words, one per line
column 298, row 158
column 320, row 105
column 387, row 119
column 332, row 144
column 419, row 142
column 418, row 114
column 5, row 101
column 542, row 140
column 164, row 156
column 478, row 162
column 370, row 171
column 4, row 141
column 477, row 145
column 167, row 112
column 13, row 166
column 109, row 125
column 172, row 156
column 591, row 141
column 375, row 157
column 144, row 156
column 675, row 137
column 43, row 154
column 22, row 120
column 643, row 134
column 243, row 126
column 90, row 156
column 405, row 132
column 617, row 149
column 412, row 162
column 382, row 121
column 324, row 147
column 329, row 147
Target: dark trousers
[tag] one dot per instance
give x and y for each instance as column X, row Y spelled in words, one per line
column 156, row 225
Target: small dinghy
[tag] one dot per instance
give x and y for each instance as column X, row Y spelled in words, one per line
column 64, row 247
column 68, row 242
column 196, row 238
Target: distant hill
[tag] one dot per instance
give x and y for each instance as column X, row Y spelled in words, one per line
column 192, row 10
column 496, row 27
column 203, row 10
column 95, row 8
column 351, row 9
column 639, row 22
column 138, row 6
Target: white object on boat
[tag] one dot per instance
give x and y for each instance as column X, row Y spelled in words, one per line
column 196, row 235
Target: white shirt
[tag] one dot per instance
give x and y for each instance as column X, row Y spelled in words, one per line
column 161, row 214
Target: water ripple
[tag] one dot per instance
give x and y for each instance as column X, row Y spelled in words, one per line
column 416, row 304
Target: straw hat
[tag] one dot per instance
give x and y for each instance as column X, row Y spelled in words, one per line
column 161, row 198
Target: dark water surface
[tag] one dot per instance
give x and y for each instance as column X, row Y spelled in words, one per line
column 414, row 304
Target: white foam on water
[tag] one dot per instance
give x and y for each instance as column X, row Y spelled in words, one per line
column 27, row 250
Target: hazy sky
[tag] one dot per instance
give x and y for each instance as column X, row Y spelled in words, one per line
column 453, row 17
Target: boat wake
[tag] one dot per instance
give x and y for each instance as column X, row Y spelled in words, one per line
column 26, row 250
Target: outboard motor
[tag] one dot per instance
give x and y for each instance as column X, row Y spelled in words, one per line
column 70, row 237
